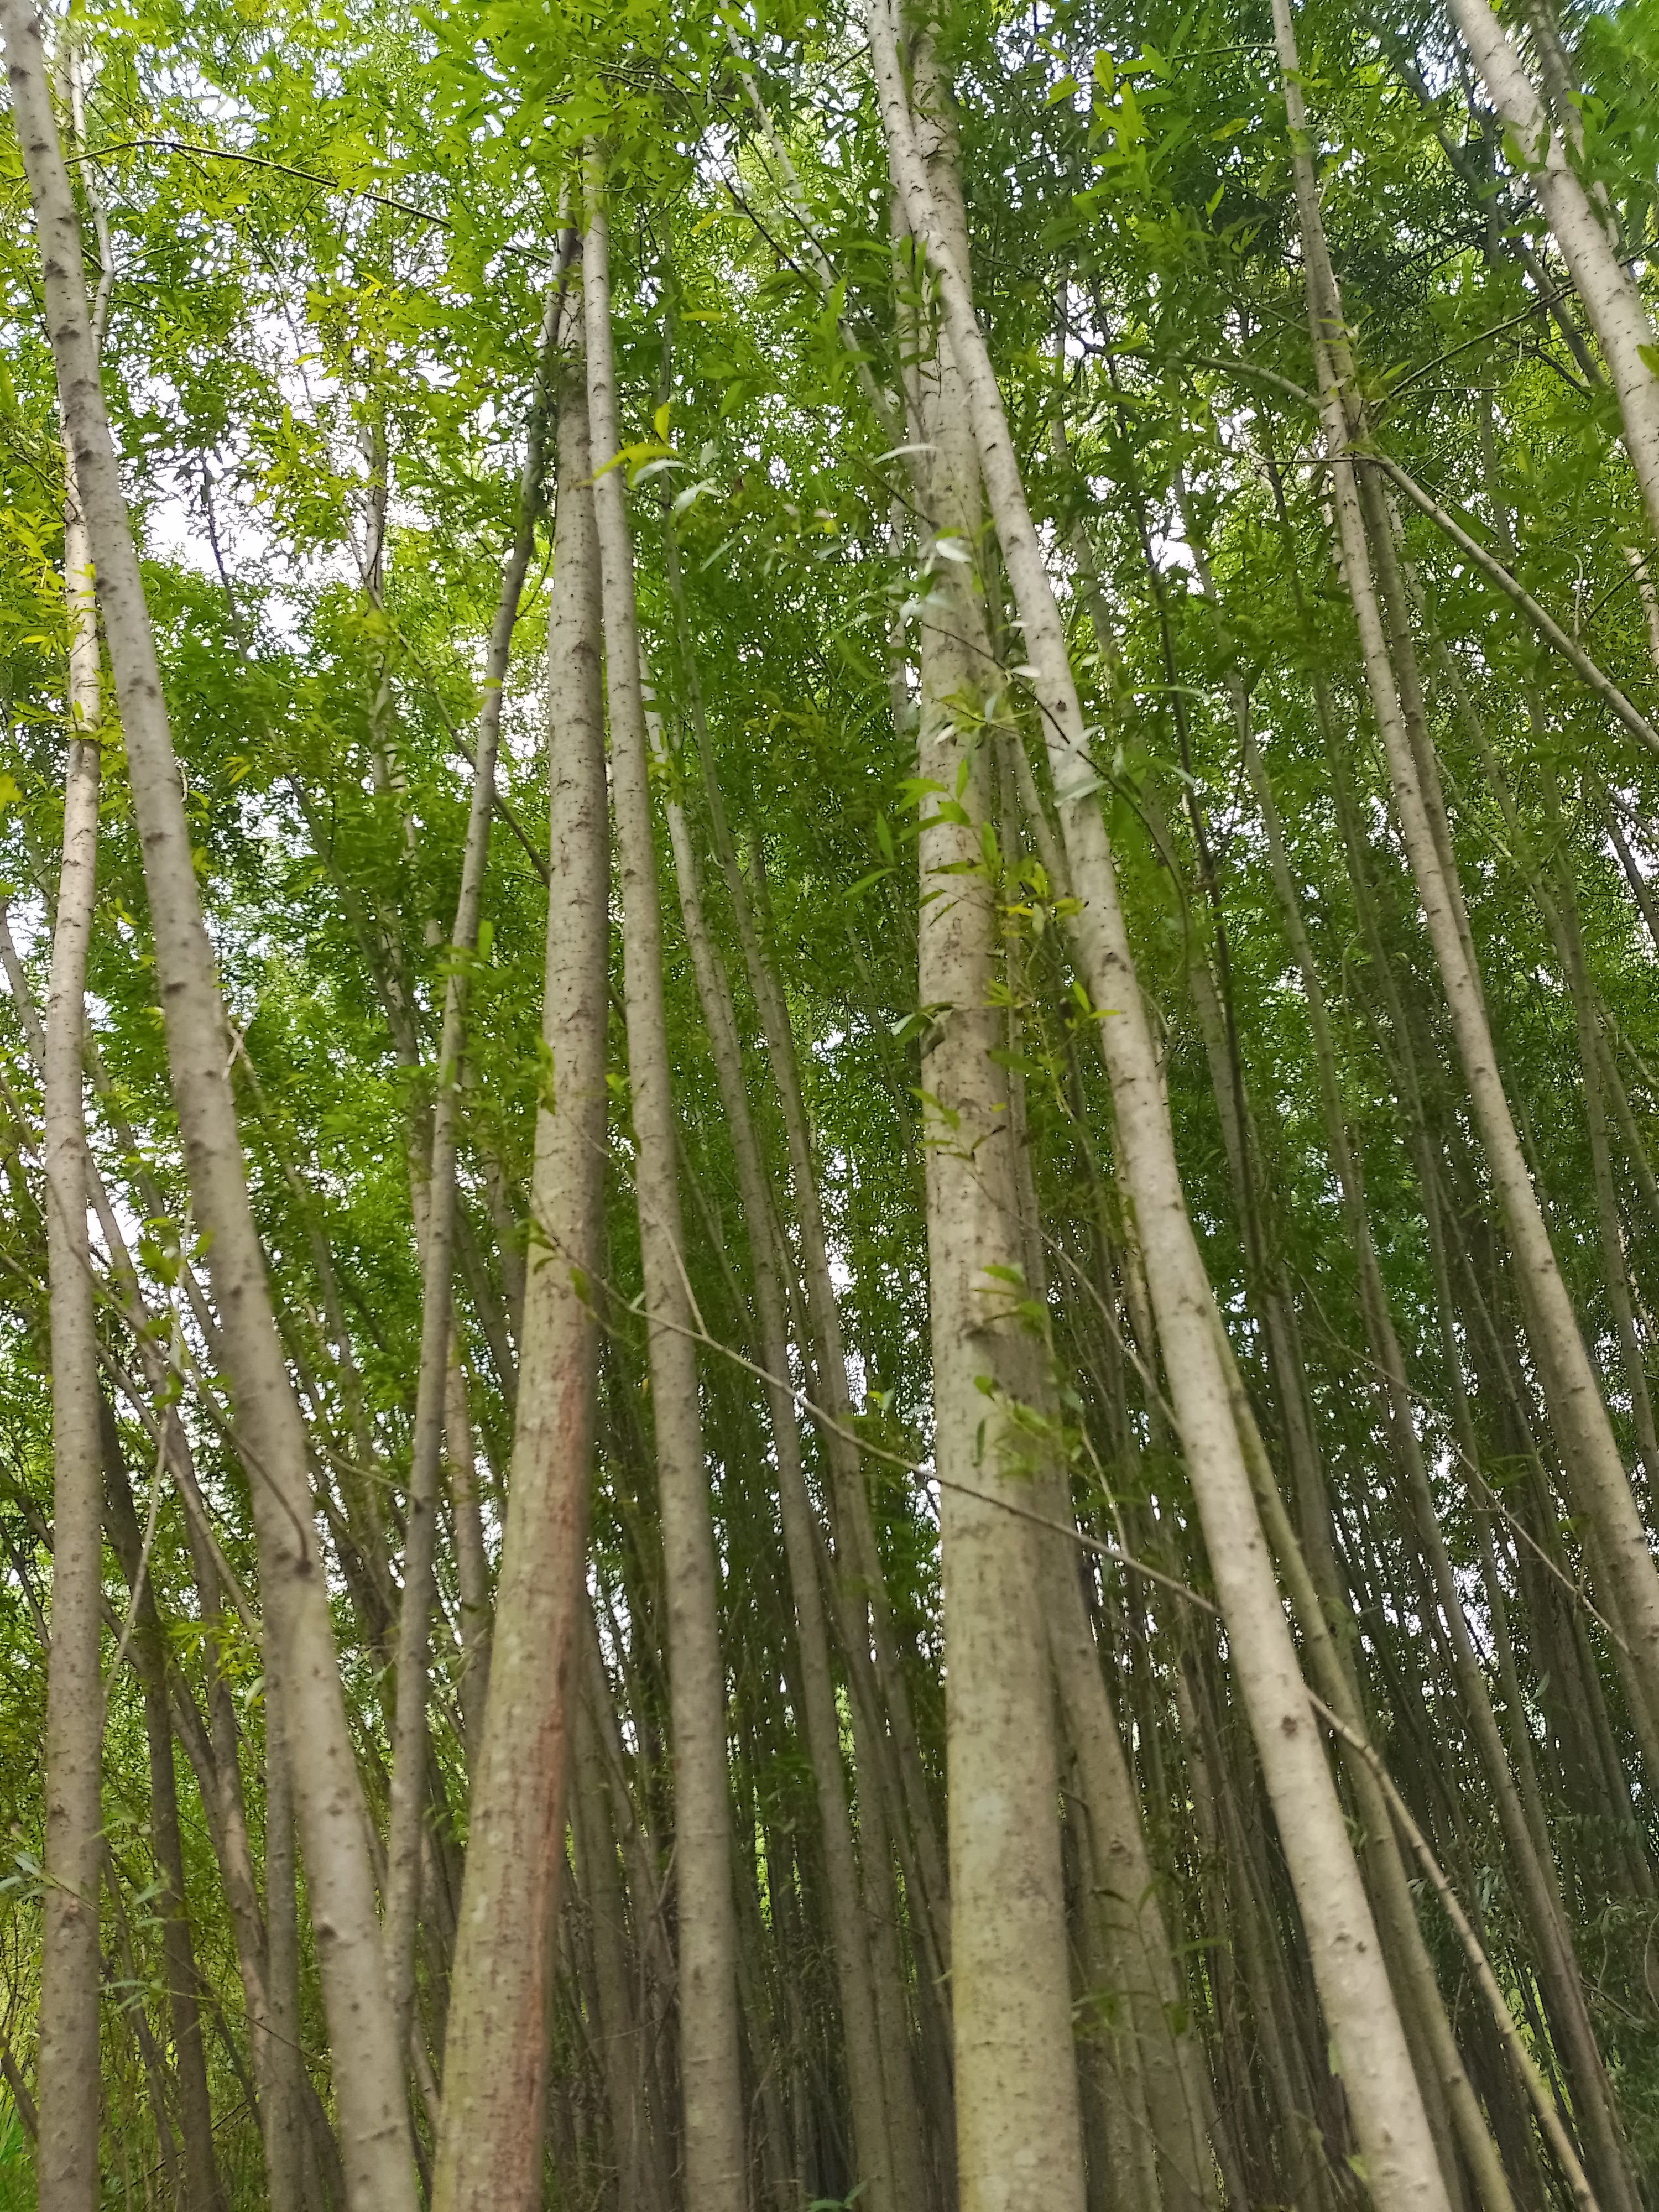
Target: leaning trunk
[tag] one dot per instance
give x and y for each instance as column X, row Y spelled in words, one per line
column 1353, row 1986
column 368, row 2071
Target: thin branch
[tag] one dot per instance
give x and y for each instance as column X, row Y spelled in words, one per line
column 261, row 161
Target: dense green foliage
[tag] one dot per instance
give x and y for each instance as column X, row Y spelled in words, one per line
column 330, row 232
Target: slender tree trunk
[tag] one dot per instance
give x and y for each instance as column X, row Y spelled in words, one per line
column 1377, row 2069
column 471, row 1558
column 67, row 2152
column 876, row 2170
column 368, row 2069
column 282, row 2111
column 409, row 1758
column 710, row 2074
column 495, row 2075
column 148, row 1653
column 1586, row 238
column 1594, row 1468
column 1018, row 2124
column 67, row 2156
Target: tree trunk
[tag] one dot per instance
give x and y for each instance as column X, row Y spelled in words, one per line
column 408, row 1756
column 710, row 2064
column 368, row 2068
column 1018, row 2124
column 67, row 2154
column 1586, row 241
column 1377, row 2069
column 489, row 2152
column 875, row 2168
column 282, row 2110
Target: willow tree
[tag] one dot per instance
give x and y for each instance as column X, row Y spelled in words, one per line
column 827, row 1095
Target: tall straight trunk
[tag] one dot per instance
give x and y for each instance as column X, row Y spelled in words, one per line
column 367, row 2064
column 710, row 2074
column 282, row 2110
column 67, row 2154
column 1019, row 2120
column 409, row 1755
column 1414, row 1973
column 1377, row 2076
column 1588, row 243
column 148, row 1652
column 623, row 2027
column 494, row 2073
column 471, row 1558
column 876, row 2153
column 864, row 1614
column 1595, row 1473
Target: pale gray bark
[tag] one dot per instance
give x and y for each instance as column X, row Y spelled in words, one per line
column 1018, row 2122
column 875, row 2165
column 439, row 1210
column 1587, row 242
column 67, row 2156
column 1381, row 2085
column 282, row 2112
column 710, row 2075
column 369, row 2072
column 1595, row 1469
column 495, row 2069
column 472, row 1556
